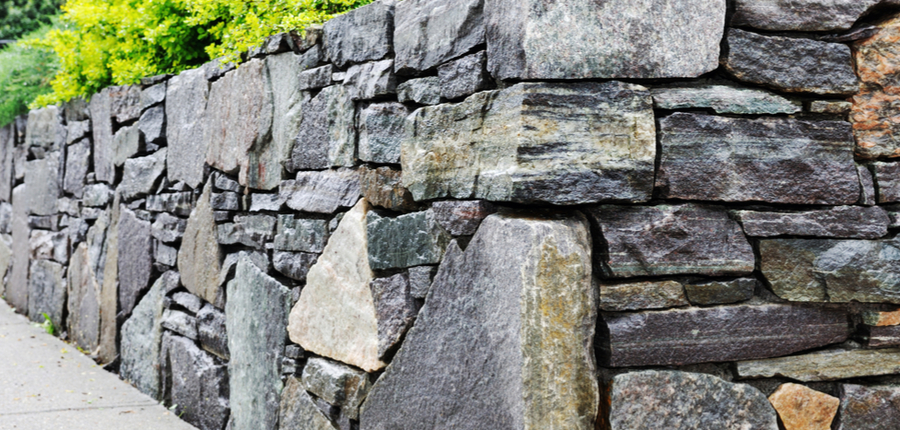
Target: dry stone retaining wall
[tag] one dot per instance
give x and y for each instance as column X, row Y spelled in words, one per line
column 480, row 214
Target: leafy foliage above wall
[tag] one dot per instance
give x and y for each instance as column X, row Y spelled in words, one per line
column 117, row 42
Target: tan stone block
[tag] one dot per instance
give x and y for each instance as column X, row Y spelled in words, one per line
column 802, row 408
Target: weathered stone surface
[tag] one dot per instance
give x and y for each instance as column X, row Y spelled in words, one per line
column 125, row 103
column 47, row 291
column 97, row 195
column 153, row 125
column 5, row 260
column 42, row 184
column 17, row 285
column 168, row 228
column 830, row 107
column 465, row 76
column 825, row 365
column 294, row 265
column 250, row 230
column 239, row 116
column 126, row 144
column 77, row 164
column 720, row 292
column 141, row 338
column 671, row 239
column 46, row 245
column 804, row 15
column 872, row 408
column 642, row 295
column 867, row 185
column 259, row 258
column 383, row 187
column 186, row 97
column 509, row 323
column 525, row 144
column 225, row 201
column 722, row 99
column 725, row 333
column 7, row 154
column 775, row 160
column 370, row 80
column 179, row 204
column 256, row 319
column 653, row 399
column 180, row 322
column 875, row 110
column 405, row 241
column 165, row 255
column 887, row 176
column 77, row 130
column 141, row 175
column 44, row 128
column 266, row 202
column 790, row 64
column 153, row 95
column 802, row 408
column 109, row 289
column 298, row 411
column 420, row 279
column 843, row 221
column 881, row 319
column 461, row 218
column 612, row 39
column 198, row 388
column 300, row 234
column 327, row 135
column 336, row 383
column 187, row 301
column 839, row 271
column 322, row 192
column 135, row 258
column 430, row 32
column 320, row 77
column 424, row 91
column 212, row 332
column 381, row 128
column 199, row 258
column 362, row 34
column 395, row 308
column 335, row 316
column 882, row 337
column 83, row 289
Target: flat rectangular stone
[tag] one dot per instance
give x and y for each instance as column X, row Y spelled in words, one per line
column 176, row 203
column 887, row 178
column 371, row 80
column 42, row 182
column 669, row 240
column 870, row 408
column 582, row 39
column 800, row 15
column 841, row 222
column 266, row 202
column 322, row 192
column 882, row 337
column 424, row 91
column 825, row 365
column 430, row 32
column 720, row 292
column 78, row 159
column 7, row 154
column 775, row 160
column 642, row 295
column 125, row 103
column 725, row 333
column 381, row 128
column 405, row 241
column 722, row 99
column 102, row 133
column 867, row 182
column 294, row 265
column 299, row 234
column 383, row 187
column 830, row 107
column 320, row 77
column 327, row 133
column 46, row 292
column 839, row 271
column 525, row 144
column 465, row 76
column 881, row 319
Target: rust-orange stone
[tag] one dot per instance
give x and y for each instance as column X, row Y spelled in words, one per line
column 802, row 408
column 876, row 108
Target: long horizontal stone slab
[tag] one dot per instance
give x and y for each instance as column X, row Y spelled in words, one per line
column 800, row 15
column 776, row 160
column 717, row 334
column 844, row 222
column 825, row 366
column 669, row 240
column 581, row 39
column 535, row 142
column 722, row 99
column 829, row 270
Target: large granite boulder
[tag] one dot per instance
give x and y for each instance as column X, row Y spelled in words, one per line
column 724, row 333
column 525, row 144
column 774, row 160
column 429, row 32
column 829, row 270
column 508, row 322
column 199, row 258
column 186, row 97
column 256, row 319
column 653, row 399
column 670, row 239
column 790, row 64
column 583, row 39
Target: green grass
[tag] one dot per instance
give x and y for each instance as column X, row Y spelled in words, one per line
column 25, row 74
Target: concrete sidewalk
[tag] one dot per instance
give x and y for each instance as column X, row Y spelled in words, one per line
column 47, row 384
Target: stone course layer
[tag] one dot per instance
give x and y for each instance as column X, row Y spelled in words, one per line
column 487, row 214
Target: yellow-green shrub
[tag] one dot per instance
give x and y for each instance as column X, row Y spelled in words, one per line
column 116, row 42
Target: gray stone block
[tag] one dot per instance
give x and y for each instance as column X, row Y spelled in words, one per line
column 294, row 265
column 125, row 103
column 127, row 144
column 336, row 383
column 186, row 96
column 42, row 184
column 198, row 389
column 424, row 91
column 642, row 295
column 826, row 365
column 722, row 99
column 142, row 338
column 298, row 411
column 841, row 222
column 383, row 187
column 361, row 35
column 430, row 32
column 327, row 134
column 78, row 159
column 180, row 322
column 45, row 129
column 381, row 129
column 250, row 230
column 77, row 130
column 46, row 245
column 153, row 95
column 462, row 218
column 97, row 195
column 465, row 76
column 312, row 79
column 177, row 203
column 266, row 202
column 887, row 178
column 153, row 125
column 321, row 192
column 307, row 235
column 168, row 228
column 142, row 175
column 371, row 80
column 420, row 280
column 102, row 131
column 790, row 64
column 135, row 259
column 867, row 185
column 405, row 241
column 720, row 292
column 47, row 292
column 869, row 407
column 211, row 330
column 805, row 15
column 395, row 309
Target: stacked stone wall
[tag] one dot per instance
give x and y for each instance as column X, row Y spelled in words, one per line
column 502, row 214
